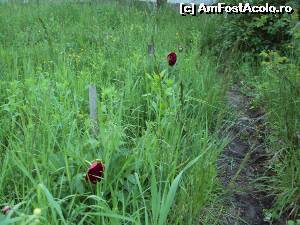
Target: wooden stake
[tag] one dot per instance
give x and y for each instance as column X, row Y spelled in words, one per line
column 93, row 110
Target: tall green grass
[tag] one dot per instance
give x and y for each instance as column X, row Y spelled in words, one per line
column 158, row 137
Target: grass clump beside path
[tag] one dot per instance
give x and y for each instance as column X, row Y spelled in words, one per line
column 157, row 135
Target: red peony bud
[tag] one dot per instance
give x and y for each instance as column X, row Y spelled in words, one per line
column 95, row 172
column 5, row 210
column 172, row 58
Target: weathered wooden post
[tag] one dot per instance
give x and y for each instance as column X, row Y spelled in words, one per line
column 161, row 3
column 93, row 110
column 151, row 49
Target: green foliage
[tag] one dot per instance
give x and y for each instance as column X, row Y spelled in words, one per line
column 256, row 32
column 158, row 129
column 278, row 89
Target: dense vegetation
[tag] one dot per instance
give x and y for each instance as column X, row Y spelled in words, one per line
column 158, row 125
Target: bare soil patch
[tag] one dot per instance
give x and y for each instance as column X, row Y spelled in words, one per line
column 242, row 162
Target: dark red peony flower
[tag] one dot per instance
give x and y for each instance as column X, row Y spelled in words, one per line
column 5, row 210
column 172, row 57
column 95, row 172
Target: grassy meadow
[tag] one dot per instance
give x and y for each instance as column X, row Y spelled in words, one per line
column 157, row 124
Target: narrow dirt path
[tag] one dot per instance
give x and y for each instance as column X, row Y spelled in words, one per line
column 242, row 162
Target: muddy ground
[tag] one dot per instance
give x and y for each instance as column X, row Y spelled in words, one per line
column 242, row 162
